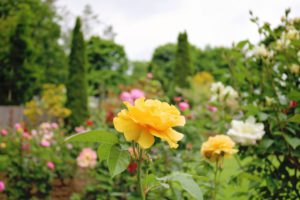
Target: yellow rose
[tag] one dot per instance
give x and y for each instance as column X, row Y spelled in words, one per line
column 217, row 147
column 146, row 119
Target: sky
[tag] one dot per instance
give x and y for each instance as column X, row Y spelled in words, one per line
column 143, row 25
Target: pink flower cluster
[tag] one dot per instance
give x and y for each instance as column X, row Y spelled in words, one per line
column 87, row 158
column 132, row 95
column 182, row 104
column 45, row 133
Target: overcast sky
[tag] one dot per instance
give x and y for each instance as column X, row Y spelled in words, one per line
column 142, row 25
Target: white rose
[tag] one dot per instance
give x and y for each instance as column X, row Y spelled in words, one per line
column 261, row 51
column 246, row 133
column 217, row 87
column 282, row 43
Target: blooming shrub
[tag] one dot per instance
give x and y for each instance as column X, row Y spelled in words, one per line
column 49, row 107
column 33, row 159
column 268, row 85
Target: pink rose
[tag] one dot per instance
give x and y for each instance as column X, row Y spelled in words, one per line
column 2, row 186
column 136, row 94
column 4, row 132
column 183, row 106
column 212, row 108
column 51, row 165
column 87, row 158
column 126, row 96
column 45, row 143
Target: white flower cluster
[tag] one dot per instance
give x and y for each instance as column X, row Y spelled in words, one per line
column 246, row 133
column 223, row 93
column 286, row 38
column 261, row 51
column 292, row 34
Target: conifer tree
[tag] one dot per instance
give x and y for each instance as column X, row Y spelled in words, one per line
column 77, row 83
column 183, row 66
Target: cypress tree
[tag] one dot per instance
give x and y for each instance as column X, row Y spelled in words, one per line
column 77, row 83
column 183, row 66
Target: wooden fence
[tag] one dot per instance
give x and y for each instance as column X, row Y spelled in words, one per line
column 9, row 115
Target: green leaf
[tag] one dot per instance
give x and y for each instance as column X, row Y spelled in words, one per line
column 104, row 151
column 294, row 142
column 187, row 183
column 266, row 143
column 295, row 119
column 251, row 109
column 262, row 116
column 242, row 43
column 101, row 136
column 118, row 161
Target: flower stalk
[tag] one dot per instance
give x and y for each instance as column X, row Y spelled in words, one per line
column 215, row 191
column 139, row 174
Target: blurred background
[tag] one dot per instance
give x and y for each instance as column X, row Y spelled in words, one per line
column 67, row 66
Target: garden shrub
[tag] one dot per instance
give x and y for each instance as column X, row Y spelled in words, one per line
column 49, row 107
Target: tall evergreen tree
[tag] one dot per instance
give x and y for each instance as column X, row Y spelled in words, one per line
column 14, row 74
column 183, row 65
column 77, row 83
column 30, row 54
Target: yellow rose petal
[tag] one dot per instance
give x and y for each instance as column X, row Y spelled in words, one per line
column 130, row 129
column 145, row 140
